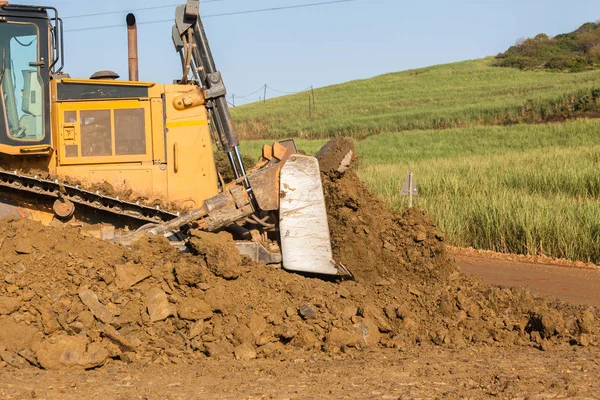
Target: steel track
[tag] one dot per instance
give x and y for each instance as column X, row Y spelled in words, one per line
column 54, row 189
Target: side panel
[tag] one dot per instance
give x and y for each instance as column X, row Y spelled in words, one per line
column 192, row 176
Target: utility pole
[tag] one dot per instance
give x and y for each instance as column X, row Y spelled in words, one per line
column 265, row 96
column 312, row 89
column 233, row 99
column 309, row 107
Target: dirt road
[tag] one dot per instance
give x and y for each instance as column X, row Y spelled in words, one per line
column 574, row 285
column 430, row 372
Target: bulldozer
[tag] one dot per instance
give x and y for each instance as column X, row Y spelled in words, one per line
column 62, row 138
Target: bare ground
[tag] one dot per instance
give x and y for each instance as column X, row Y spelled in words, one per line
column 433, row 372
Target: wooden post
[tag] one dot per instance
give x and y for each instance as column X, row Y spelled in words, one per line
column 312, row 89
column 309, row 107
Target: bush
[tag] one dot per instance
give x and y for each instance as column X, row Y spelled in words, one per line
column 571, row 52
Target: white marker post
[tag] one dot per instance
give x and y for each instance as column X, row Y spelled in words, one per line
column 409, row 189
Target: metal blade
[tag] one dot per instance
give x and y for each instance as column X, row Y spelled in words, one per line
column 305, row 241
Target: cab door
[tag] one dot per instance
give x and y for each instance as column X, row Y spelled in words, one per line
column 24, row 91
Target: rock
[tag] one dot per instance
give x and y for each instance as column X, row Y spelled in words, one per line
column 196, row 329
column 9, row 305
column 336, row 155
column 14, row 359
column 287, row 332
column 49, row 318
column 90, row 299
column 547, row 322
column 257, row 325
column 29, row 356
column 245, row 352
column 242, row 334
column 15, row 336
column 583, row 340
column 129, row 274
column 370, row 332
column 420, row 237
column 585, row 322
column 190, row 274
column 218, row 351
column 62, row 351
column 339, row 338
column 307, row 311
column 219, row 252
column 24, row 247
column 373, row 313
column 158, row 305
column 306, row 339
column 194, row 309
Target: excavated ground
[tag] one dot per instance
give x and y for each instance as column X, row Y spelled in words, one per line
column 68, row 301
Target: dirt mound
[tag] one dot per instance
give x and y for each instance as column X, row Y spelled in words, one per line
column 70, row 301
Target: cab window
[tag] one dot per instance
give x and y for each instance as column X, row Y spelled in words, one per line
column 22, row 90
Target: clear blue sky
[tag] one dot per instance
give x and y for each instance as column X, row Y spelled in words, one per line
column 293, row 49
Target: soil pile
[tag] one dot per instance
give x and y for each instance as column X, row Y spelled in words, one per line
column 71, row 301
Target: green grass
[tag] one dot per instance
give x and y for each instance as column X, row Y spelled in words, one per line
column 463, row 94
column 528, row 189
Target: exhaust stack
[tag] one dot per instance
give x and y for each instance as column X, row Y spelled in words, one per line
column 132, row 47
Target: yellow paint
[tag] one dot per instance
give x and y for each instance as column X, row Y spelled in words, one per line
column 151, row 174
column 184, row 124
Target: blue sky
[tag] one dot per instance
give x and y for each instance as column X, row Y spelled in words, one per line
column 293, row 49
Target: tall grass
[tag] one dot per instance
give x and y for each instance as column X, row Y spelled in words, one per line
column 462, row 94
column 536, row 191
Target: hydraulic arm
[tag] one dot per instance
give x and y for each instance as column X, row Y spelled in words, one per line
column 190, row 41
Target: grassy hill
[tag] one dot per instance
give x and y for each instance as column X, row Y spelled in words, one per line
column 490, row 169
column 463, row 94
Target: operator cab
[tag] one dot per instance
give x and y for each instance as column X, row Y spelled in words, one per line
column 29, row 43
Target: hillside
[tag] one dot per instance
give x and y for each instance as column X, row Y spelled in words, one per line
column 454, row 95
column 573, row 52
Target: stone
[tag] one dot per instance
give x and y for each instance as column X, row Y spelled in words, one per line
column 196, row 329
column 129, row 274
column 218, row 351
column 585, row 322
column 190, row 274
column 242, row 334
column 547, row 322
column 24, row 247
column 62, row 351
column 420, row 237
column 339, row 338
column 14, row 359
column 306, row 339
column 29, row 355
column 9, row 305
column 257, row 325
column 370, row 332
column 307, row 311
column 219, row 252
column 376, row 315
column 244, row 352
column 194, row 309
column 158, row 305
column 90, row 299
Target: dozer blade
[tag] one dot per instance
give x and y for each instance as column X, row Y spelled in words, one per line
column 304, row 230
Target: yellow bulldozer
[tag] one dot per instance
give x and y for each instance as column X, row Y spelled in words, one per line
column 62, row 137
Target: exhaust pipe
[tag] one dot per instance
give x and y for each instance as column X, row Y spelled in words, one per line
column 132, row 47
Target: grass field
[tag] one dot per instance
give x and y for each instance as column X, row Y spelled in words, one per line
column 463, row 94
column 528, row 189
